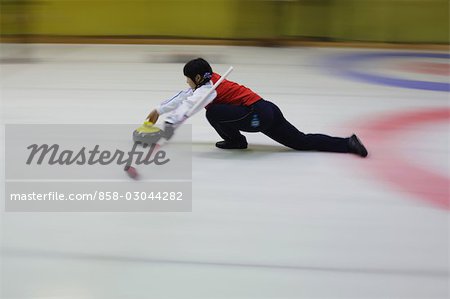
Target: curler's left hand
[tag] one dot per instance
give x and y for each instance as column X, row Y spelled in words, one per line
column 169, row 130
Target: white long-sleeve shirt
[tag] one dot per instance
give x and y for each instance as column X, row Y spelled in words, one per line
column 227, row 92
column 182, row 102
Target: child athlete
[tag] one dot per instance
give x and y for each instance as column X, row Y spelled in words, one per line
column 233, row 108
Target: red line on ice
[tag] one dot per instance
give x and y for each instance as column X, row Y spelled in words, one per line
column 391, row 166
column 432, row 68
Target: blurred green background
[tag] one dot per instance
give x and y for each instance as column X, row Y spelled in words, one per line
column 403, row 21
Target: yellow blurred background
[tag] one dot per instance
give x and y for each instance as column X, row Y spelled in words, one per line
column 396, row 21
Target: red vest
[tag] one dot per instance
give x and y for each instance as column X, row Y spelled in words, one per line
column 232, row 93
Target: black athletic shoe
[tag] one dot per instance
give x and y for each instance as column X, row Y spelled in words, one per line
column 231, row 145
column 356, row 147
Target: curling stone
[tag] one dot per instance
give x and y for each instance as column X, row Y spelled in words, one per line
column 147, row 133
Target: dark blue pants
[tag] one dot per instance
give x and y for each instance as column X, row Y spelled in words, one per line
column 264, row 116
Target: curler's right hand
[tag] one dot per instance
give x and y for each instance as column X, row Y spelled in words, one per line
column 153, row 116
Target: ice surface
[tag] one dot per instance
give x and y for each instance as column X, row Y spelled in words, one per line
column 266, row 223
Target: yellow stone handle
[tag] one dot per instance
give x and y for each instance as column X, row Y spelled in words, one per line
column 148, row 127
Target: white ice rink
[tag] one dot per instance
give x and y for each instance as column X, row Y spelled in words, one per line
column 267, row 222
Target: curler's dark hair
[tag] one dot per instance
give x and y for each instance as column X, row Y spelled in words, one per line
column 198, row 66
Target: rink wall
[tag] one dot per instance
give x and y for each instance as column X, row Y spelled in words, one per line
column 404, row 21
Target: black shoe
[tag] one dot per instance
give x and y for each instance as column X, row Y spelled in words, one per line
column 356, row 147
column 232, row 145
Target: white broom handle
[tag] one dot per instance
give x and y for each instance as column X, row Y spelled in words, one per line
column 189, row 113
